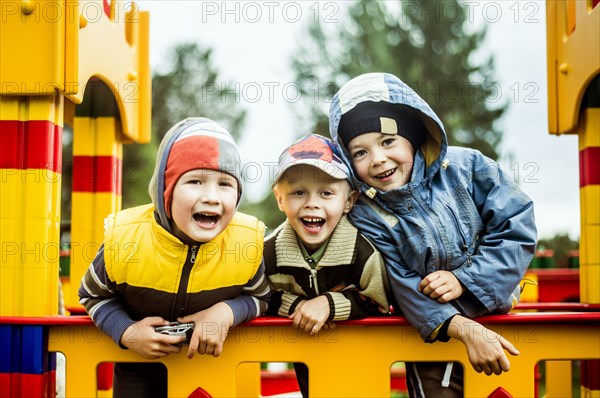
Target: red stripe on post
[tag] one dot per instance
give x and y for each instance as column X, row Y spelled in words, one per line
column 589, row 166
column 28, row 385
column 97, row 174
column 34, row 144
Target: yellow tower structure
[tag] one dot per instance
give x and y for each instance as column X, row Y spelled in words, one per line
column 573, row 40
column 57, row 68
column 80, row 65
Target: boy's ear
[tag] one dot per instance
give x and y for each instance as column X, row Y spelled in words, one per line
column 279, row 198
column 352, row 198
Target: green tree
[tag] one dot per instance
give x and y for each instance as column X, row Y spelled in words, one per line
column 426, row 44
column 189, row 86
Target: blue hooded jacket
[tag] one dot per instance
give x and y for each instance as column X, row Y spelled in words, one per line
column 459, row 212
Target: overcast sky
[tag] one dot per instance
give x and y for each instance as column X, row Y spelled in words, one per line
column 253, row 42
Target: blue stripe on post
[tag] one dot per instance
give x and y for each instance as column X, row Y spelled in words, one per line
column 34, row 349
column 24, row 349
column 10, row 346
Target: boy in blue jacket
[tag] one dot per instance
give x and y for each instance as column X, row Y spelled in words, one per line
column 456, row 233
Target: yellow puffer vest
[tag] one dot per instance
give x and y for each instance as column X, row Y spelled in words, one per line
column 141, row 255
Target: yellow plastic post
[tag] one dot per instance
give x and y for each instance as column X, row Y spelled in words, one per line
column 589, row 150
column 248, row 380
column 30, row 167
column 573, row 44
column 97, row 170
column 559, row 381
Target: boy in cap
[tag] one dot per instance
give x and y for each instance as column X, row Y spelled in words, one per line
column 456, row 232
column 320, row 267
column 172, row 260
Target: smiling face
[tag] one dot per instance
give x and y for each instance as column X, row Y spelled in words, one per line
column 383, row 161
column 204, row 202
column 313, row 202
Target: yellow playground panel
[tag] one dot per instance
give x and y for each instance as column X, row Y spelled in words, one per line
column 352, row 360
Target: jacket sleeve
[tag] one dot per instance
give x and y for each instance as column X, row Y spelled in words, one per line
column 254, row 299
column 509, row 237
column 101, row 300
column 425, row 314
column 284, row 303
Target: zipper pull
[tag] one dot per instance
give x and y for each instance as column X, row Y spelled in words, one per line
column 193, row 256
column 313, row 277
column 469, row 260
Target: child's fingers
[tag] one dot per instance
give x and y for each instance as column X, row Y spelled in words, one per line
column 436, row 289
column 504, row 364
column 217, row 350
column 156, row 321
column 487, row 369
column 434, row 286
column 296, row 318
column 328, row 325
column 172, row 349
column 203, row 347
column 308, row 325
column 172, row 340
column 427, row 280
column 193, row 347
column 315, row 329
column 444, row 298
column 300, row 321
column 508, row 346
column 497, row 367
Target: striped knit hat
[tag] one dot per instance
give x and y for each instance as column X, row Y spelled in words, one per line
column 194, row 143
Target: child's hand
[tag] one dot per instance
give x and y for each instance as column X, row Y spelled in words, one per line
column 442, row 286
column 210, row 330
column 311, row 315
column 485, row 347
column 142, row 339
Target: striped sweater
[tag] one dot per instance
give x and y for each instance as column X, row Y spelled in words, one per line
column 350, row 274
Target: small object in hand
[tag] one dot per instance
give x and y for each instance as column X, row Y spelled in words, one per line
column 177, row 329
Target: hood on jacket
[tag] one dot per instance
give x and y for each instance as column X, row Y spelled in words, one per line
column 386, row 87
column 201, row 143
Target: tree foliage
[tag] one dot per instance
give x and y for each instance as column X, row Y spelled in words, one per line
column 428, row 44
column 190, row 86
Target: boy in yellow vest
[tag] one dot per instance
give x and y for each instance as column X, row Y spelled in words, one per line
column 188, row 257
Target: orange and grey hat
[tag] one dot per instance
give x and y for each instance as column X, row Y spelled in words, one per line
column 313, row 150
column 193, row 143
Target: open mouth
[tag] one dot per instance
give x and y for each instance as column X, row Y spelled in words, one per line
column 206, row 218
column 386, row 174
column 313, row 223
